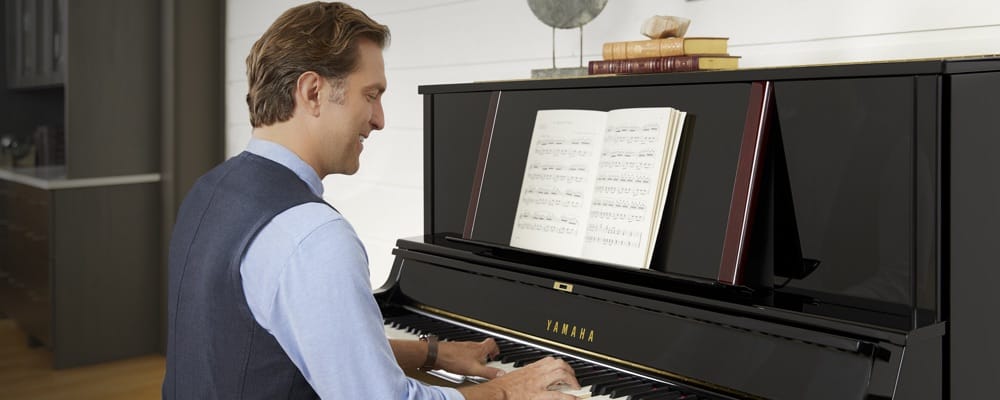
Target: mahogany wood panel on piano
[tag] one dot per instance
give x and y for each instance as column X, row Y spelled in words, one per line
column 871, row 238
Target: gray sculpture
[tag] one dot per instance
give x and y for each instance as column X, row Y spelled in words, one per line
column 565, row 14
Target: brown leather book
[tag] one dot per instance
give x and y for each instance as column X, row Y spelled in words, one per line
column 674, row 46
column 663, row 64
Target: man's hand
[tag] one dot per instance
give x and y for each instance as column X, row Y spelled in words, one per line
column 469, row 358
column 529, row 383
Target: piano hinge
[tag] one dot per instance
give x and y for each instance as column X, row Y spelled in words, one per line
column 566, row 287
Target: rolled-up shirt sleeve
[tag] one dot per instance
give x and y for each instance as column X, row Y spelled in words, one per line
column 318, row 304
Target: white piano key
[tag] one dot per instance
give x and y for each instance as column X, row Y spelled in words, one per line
column 396, row 333
column 506, row 367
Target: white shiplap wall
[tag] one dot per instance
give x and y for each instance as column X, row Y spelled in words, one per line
column 453, row 41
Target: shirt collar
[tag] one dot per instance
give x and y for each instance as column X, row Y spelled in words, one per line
column 282, row 155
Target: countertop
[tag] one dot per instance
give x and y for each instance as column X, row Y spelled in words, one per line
column 54, row 177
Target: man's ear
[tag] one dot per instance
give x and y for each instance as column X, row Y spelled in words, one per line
column 307, row 90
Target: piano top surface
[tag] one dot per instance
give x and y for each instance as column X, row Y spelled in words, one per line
column 969, row 64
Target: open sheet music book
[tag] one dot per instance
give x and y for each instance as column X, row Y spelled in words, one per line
column 595, row 183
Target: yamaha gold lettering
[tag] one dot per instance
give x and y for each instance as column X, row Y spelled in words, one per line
column 570, row 330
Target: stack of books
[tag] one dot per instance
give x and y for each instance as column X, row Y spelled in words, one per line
column 673, row 54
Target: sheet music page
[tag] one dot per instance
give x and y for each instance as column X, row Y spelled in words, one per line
column 558, row 182
column 627, row 186
column 670, row 158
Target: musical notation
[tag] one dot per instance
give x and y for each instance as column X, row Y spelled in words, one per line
column 592, row 181
column 617, row 216
column 626, row 177
column 613, row 235
column 642, row 140
column 547, row 202
column 543, row 190
column 557, row 178
column 619, row 203
column 562, row 152
column 548, row 228
column 623, row 183
column 548, row 222
column 626, row 165
column 634, row 191
column 558, row 167
column 628, row 154
column 553, row 196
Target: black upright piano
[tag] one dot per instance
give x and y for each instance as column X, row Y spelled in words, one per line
column 830, row 233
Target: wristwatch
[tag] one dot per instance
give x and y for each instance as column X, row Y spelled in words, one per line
column 432, row 351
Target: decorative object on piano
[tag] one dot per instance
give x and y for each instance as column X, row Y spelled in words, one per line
column 674, row 46
column 595, row 183
column 666, row 50
column 663, row 64
column 662, row 26
column 564, row 14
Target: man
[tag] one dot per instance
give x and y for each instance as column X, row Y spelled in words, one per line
column 268, row 292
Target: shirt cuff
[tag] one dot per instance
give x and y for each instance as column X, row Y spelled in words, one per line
column 451, row 393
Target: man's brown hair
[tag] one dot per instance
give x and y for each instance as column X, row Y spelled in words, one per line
column 318, row 36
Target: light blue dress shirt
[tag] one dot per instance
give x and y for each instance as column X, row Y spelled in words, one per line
column 305, row 277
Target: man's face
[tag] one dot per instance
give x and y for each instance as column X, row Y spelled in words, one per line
column 348, row 114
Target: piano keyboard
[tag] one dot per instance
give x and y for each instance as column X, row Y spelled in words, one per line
column 597, row 381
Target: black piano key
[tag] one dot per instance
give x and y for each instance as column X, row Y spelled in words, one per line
column 513, row 349
column 402, row 319
column 456, row 330
column 598, row 379
column 525, row 361
column 478, row 337
column 583, row 369
column 471, row 336
column 449, row 333
column 429, row 326
column 591, row 373
column 608, row 388
column 605, row 388
column 415, row 327
column 522, row 349
column 510, row 347
column 531, row 355
column 605, row 381
column 594, row 370
column 672, row 395
column 417, row 324
column 653, row 393
column 506, row 343
column 399, row 325
column 508, row 357
column 623, row 391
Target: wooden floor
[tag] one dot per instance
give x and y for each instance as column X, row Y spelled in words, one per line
column 26, row 373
